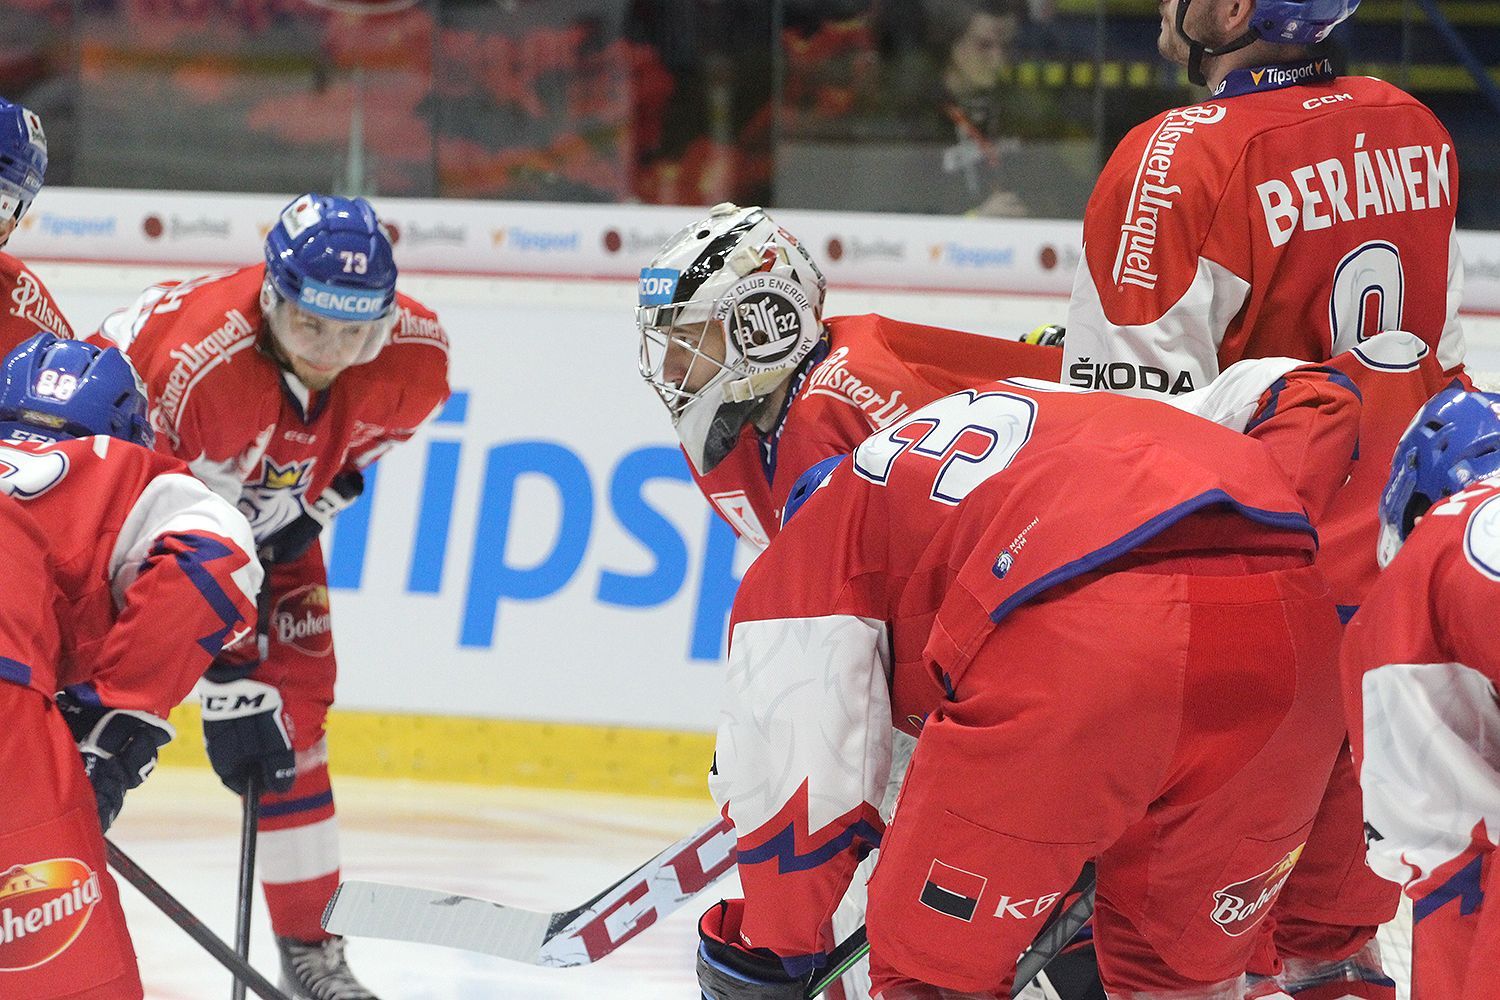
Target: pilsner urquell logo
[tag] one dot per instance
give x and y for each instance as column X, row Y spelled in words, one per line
column 1239, row 907
column 43, row 908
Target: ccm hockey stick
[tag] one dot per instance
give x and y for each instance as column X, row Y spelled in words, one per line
column 191, row 925
column 578, row 936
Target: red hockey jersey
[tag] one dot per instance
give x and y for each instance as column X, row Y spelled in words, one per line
column 29, row 641
column 155, row 572
column 1294, row 214
column 248, row 429
column 26, row 307
column 870, row 372
column 882, row 587
column 1421, row 663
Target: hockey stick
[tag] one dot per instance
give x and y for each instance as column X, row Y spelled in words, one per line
column 578, row 936
column 191, row 925
column 1060, row 928
column 249, row 827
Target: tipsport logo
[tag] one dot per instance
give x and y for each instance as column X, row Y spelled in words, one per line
column 591, row 503
column 44, row 906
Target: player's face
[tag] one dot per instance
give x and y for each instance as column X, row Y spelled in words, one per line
column 1169, row 43
column 318, row 347
column 695, row 354
column 978, row 57
column 7, row 226
column 1202, row 22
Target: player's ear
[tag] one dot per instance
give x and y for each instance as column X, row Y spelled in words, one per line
column 1234, row 17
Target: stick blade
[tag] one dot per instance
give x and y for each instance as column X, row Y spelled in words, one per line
column 426, row 916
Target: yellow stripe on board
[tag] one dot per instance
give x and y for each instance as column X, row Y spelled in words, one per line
column 495, row 752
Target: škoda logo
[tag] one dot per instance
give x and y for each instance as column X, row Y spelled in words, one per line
column 44, row 906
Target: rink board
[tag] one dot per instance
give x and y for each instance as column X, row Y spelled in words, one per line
column 534, row 577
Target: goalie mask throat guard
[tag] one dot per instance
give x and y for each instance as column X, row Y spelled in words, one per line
column 728, row 311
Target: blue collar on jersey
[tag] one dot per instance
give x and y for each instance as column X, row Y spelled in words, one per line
column 1275, row 77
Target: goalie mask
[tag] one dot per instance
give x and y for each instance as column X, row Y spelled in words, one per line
column 728, row 310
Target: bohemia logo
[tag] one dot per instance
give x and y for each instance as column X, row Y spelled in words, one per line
column 302, row 620
column 43, row 908
column 1239, row 907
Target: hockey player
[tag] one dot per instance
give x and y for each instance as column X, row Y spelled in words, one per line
column 25, row 304
column 278, row 383
column 142, row 576
column 760, row 386
column 1421, row 661
column 1294, row 212
column 977, row 574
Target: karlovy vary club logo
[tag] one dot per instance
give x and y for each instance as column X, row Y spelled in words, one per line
column 44, row 906
column 302, row 620
column 1239, row 907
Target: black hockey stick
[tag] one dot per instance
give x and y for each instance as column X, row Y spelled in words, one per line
column 1061, row 927
column 249, row 827
column 191, row 925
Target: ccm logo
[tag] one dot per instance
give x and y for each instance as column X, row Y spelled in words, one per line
column 232, row 703
column 1317, row 102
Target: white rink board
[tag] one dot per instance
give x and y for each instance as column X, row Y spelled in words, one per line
column 592, row 588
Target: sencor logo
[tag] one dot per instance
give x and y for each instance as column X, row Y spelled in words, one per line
column 351, row 302
column 44, row 906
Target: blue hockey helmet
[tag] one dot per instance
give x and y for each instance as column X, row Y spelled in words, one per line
column 57, row 388
column 330, row 256
column 1284, row 22
column 1453, row 441
column 23, row 159
column 329, row 259
column 1299, row 22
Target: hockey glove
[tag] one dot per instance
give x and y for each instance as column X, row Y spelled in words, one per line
column 118, row 749
column 1047, row 335
column 288, row 543
column 246, row 733
column 727, row 970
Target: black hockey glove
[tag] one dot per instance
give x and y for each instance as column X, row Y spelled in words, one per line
column 288, row 543
column 727, row 970
column 246, row 733
column 118, row 749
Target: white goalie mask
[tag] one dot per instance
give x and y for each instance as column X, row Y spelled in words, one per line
column 728, row 310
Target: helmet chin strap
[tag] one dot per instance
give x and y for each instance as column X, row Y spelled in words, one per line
column 1197, row 50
